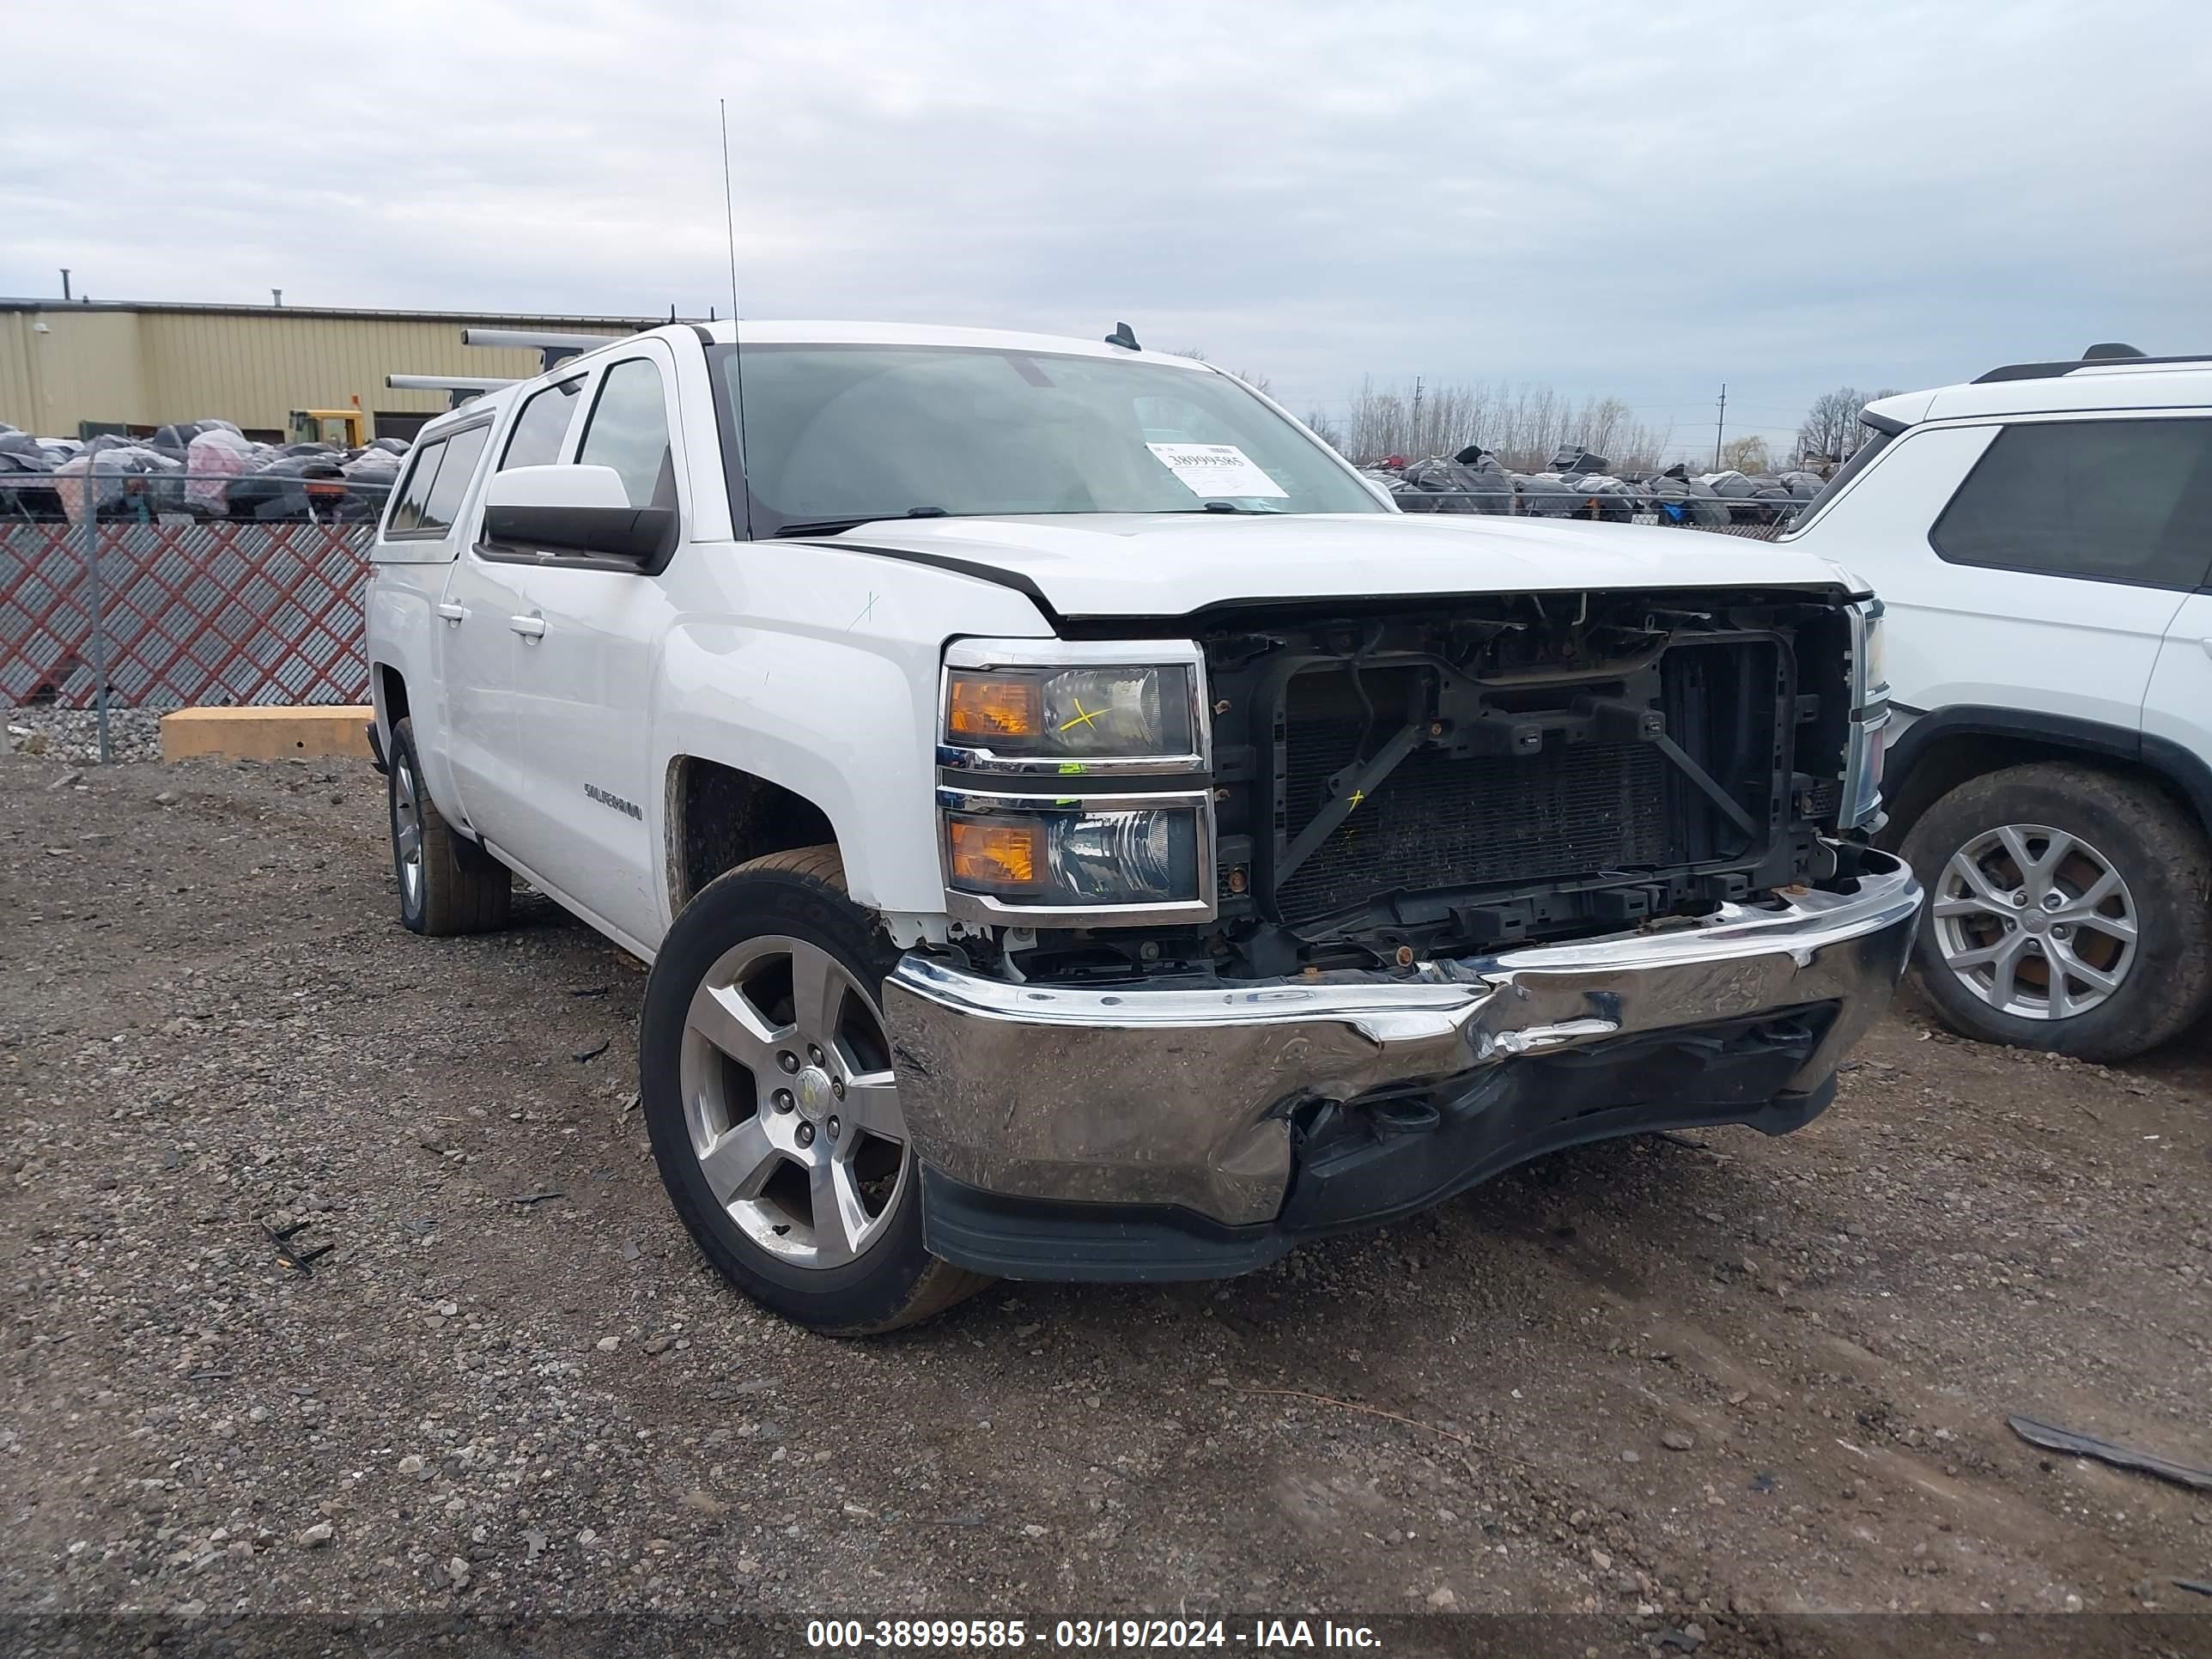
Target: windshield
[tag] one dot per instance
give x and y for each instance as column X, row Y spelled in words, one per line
column 840, row 434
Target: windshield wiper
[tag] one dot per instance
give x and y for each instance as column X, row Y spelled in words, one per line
column 837, row 527
column 1226, row 507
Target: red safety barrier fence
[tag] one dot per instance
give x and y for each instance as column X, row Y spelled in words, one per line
column 191, row 613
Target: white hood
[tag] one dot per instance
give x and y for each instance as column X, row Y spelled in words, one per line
column 1171, row 564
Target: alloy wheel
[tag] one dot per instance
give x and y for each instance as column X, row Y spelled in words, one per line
column 790, row 1103
column 2035, row 922
column 407, row 831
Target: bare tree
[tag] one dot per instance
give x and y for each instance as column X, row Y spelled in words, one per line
column 1831, row 427
column 1523, row 426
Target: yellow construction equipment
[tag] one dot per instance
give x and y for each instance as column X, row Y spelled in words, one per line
column 346, row 428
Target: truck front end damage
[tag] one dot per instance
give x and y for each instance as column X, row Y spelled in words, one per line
column 1425, row 890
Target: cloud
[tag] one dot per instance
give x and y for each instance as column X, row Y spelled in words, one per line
column 1612, row 198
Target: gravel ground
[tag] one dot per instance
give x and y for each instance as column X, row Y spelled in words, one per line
column 73, row 734
column 1665, row 1383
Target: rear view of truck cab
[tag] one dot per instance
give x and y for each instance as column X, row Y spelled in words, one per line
column 1081, row 830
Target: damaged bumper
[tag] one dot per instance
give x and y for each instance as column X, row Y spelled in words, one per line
column 1116, row 1132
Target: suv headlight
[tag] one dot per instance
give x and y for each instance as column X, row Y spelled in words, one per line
column 1074, row 782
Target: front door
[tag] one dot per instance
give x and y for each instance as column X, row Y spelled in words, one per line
column 585, row 687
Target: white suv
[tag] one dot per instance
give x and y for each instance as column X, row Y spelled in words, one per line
column 2042, row 539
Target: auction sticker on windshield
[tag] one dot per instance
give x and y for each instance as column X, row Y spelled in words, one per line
column 1215, row 470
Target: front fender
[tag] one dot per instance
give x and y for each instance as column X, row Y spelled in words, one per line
column 850, row 729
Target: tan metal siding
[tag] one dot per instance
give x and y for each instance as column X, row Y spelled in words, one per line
column 84, row 368
column 151, row 367
column 18, row 385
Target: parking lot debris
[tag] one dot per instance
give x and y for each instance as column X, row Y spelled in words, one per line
column 528, row 1199
column 591, row 991
column 1370, row 1411
column 2193, row 1586
column 298, row 1260
column 586, row 1055
column 2051, row 1438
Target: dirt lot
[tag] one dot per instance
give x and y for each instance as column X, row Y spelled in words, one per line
column 1668, row 1382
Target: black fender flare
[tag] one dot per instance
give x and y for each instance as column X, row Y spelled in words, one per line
column 2186, row 771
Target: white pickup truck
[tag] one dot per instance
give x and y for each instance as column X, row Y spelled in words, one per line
column 1081, row 830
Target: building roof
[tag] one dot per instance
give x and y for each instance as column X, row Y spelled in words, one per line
column 536, row 319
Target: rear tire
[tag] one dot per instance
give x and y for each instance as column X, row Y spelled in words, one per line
column 447, row 883
column 2070, row 909
column 766, row 997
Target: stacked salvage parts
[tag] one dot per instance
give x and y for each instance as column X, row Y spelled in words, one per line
column 200, row 470
column 1579, row 484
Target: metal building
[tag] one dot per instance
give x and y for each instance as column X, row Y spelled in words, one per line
column 71, row 368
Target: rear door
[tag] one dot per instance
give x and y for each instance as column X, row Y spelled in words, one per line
column 2178, row 709
column 2054, row 577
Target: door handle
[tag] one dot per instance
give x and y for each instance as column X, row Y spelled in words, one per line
column 531, row 627
column 454, row 614
column 2207, row 643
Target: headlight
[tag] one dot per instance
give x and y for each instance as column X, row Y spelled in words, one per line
column 1075, row 714
column 1073, row 854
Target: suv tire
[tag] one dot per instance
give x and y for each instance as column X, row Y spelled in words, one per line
column 2050, row 870
column 764, row 1073
column 447, row 883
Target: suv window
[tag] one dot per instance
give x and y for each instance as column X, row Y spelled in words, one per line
column 536, row 440
column 2109, row 500
column 443, row 500
column 628, row 432
column 422, row 468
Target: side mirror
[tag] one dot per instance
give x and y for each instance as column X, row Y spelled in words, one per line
column 574, row 510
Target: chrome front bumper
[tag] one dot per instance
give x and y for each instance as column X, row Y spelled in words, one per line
column 1178, row 1096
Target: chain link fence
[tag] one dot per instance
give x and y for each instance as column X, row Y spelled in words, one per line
column 149, row 609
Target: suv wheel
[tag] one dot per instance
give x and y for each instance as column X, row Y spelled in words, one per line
column 2067, row 910
column 447, row 883
column 766, row 1083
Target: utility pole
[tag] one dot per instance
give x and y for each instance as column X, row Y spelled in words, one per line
column 1720, row 425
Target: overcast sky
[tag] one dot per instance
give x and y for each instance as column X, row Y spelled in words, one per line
column 1639, row 199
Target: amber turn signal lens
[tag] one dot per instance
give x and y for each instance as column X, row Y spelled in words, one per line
column 980, row 707
column 994, row 856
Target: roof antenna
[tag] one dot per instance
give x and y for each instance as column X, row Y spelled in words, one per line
column 2110, row 350
column 1123, row 337
column 737, row 328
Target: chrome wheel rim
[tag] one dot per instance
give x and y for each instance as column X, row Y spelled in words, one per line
column 2035, row 922
column 407, row 832
column 790, row 1102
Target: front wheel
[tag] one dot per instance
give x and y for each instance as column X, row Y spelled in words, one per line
column 2067, row 910
column 765, row 1075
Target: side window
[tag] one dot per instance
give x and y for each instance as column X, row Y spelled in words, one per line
column 2111, row 501
column 544, row 423
column 629, row 433
column 422, row 468
column 463, row 450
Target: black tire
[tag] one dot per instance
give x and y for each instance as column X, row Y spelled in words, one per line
column 2156, row 849
column 460, row 887
column 801, row 895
